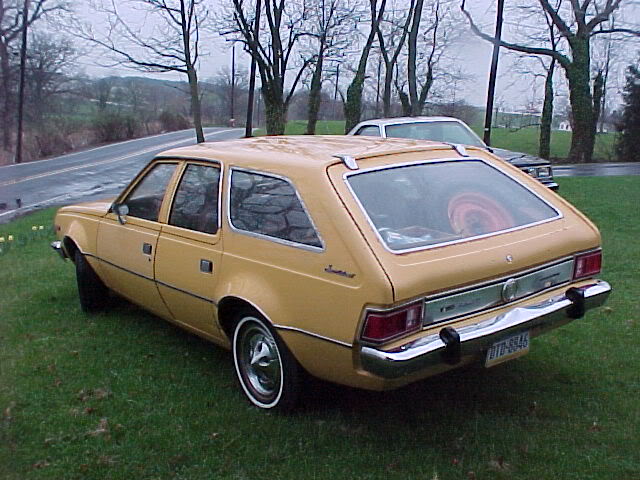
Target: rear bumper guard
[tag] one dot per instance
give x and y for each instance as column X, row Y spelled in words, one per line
column 448, row 346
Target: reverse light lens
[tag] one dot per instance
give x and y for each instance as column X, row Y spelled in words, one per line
column 384, row 326
column 587, row 265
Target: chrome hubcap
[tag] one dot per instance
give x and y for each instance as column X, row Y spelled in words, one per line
column 260, row 361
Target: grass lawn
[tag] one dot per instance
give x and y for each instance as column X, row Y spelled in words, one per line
column 523, row 140
column 124, row 395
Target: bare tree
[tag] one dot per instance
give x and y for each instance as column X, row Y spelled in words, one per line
column 328, row 19
column 275, row 50
column 577, row 24
column 11, row 24
column 391, row 41
column 353, row 103
column 50, row 64
column 173, row 45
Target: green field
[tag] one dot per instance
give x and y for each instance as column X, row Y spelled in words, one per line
column 523, row 140
column 124, row 395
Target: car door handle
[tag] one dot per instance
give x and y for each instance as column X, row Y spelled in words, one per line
column 146, row 248
column 206, row 266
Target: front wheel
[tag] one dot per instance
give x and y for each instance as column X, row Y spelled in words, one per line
column 267, row 371
column 92, row 292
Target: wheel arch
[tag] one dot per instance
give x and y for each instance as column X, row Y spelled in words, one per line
column 229, row 306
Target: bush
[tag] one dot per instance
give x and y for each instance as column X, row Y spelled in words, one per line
column 171, row 121
column 114, row 126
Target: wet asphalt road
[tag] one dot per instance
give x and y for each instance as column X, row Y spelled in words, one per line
column 91, row 174
column 597, row 170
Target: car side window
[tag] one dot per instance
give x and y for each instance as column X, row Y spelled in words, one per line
column 145, row 199
column 266, row 205
column 369, row 131
column 195, row 205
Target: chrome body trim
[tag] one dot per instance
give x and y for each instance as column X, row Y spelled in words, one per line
column 186, row 292
column 157, row 282
column 475, row 339
column 348, row 160
column 281, row 241
column 497, row 293
column 312, row 334
column 346, row 176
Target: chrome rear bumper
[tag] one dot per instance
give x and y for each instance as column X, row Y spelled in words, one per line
column 450, row 345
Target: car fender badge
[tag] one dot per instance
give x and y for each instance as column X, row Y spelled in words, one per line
column 342, row 273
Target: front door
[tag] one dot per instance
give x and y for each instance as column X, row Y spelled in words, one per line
column 127, row 251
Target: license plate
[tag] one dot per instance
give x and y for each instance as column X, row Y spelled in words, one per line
column 507, row 349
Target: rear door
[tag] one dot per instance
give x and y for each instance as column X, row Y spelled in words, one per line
column 189, row 251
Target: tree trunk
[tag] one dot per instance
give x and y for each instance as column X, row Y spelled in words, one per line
column 275, row 113
column 581, row 100
column 5, row 94
column 314, row 94
column 195, row 103
column 386, row 96
column 598, row 91
column 544, row 148
column 412, row 58
column 353, row 104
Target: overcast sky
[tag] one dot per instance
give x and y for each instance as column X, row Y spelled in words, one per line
column 513, row 91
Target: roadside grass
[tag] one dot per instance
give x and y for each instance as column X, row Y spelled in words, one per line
column 124, row 395
column 522, row 140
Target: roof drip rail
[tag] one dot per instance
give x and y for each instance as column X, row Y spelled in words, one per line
column 462, row 151
column 348, row 160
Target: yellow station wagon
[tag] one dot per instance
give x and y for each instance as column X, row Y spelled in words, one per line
column 366, row 262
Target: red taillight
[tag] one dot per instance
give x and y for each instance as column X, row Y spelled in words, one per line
column 587, row 264
column 383, row 326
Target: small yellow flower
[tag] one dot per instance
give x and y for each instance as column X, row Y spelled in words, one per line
column 10, row 238
column 34, row 228
column 41, row 227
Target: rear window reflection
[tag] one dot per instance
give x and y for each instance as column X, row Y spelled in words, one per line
column 428, row 204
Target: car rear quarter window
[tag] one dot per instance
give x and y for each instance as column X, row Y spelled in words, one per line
column 195, row 205
column 269, row 206
column 145, row 200
column 423, row 205
column 369, row 131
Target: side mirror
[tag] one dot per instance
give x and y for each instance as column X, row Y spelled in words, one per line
column 121, row 210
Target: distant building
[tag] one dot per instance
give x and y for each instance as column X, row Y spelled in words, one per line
column 564, row 126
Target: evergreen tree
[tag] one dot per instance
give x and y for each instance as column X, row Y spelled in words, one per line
column 627, row 147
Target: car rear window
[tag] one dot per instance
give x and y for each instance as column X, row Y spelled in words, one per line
column 428, row 204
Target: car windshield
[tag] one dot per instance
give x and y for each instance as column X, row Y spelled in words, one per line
column 438, row 131
column 426, row 204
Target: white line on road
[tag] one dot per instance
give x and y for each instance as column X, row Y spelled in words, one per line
column 50, row 200
column 103, row 146
column 102, row 162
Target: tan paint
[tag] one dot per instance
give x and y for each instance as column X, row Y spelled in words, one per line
column 293, row 287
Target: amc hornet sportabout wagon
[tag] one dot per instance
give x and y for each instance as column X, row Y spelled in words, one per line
column 366, row 262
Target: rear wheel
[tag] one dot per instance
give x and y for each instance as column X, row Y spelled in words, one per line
column 92, row 292
column 268, row 373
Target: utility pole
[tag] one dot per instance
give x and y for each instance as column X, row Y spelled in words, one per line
column 248, row 130
column 23, row 67
column 493, row 74
column 378, row 88
column 233, row 84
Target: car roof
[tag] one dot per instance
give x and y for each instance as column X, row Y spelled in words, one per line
column 301, row 152
column 397, row 120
